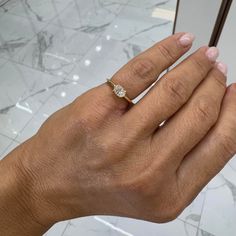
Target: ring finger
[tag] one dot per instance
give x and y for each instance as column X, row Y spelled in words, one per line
column 139, row 74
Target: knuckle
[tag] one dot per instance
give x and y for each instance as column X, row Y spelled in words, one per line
column 220, row 80
column 142, row 185
column 200, row 66
column 172, row 213
column 228, row 143
column 177, row 90
column 167, row 53
column 144, row 68
column 206, row 110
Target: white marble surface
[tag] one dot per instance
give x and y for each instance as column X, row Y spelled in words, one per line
column 140, row 26
column 4, row 143
column 56, row 50
column 43, row 10
column 103, row 60
column 90, row 16
column 11, row 145
column 22, row 92
column 62, row 96
column 51, row 51
column 12, row 37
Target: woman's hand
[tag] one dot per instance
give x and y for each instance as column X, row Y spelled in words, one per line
column 99, row 155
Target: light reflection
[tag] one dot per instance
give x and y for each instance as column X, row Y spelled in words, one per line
column 75, row 77
column 98, row 48
column 108, row 37
column 63, row 94
column 123, row 232
column 57, row 57
column 163, row 14
column 14, row 132
column 87, row 62
column 27, row 109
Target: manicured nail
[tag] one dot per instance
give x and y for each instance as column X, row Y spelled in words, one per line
column 187, row 39
column 212, row 53
column 222, row 67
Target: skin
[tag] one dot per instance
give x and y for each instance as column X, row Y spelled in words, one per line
column 98, row 155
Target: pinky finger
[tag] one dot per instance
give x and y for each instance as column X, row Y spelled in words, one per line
column 213, row 152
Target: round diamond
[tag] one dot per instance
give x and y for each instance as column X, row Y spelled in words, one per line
column 119, row 91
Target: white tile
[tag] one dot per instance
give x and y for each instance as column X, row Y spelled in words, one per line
column 139, row 26
column 58, row 229
column 15, row 33
column 56, row 50
column 192, row 214
column 43, row 10
column 219, row 212
column 103, row 60
column 10, row 147
column 140, row 228
column 203, row 233
column 64, row 95
column 7, row 6
column 22, row 93
column 90, row 16
column 147, row 4
column 86, row 226
column 2, row 62
column 115, row 226
column 4, row 143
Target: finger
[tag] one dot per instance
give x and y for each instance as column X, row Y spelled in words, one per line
column 213, row 152
column 143, row 70
column 193, row 121
column 172, row 91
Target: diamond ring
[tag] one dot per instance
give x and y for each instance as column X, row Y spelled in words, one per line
column 119, row 91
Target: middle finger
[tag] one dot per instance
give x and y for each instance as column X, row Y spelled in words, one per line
column 171, row 92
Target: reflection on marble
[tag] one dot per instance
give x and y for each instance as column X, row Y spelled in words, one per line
column 12, row 145
column 43, row 10
column 116, row 226
column 11, row 38
column 103, row 60
column 22, row 93
column 58, row 229
column 140, row 26
column 4, row 143
column 56, row 50
column 90, row 16
column 63, row 95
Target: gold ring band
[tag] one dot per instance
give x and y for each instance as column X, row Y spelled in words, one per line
column 119, row 91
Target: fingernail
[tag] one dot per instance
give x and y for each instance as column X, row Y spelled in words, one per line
column 187, row 39
column 212, row 53
column 222, row 67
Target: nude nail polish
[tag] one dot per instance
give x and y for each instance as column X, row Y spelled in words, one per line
column 212, row 54
column 187, row 39
column 222, row 67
